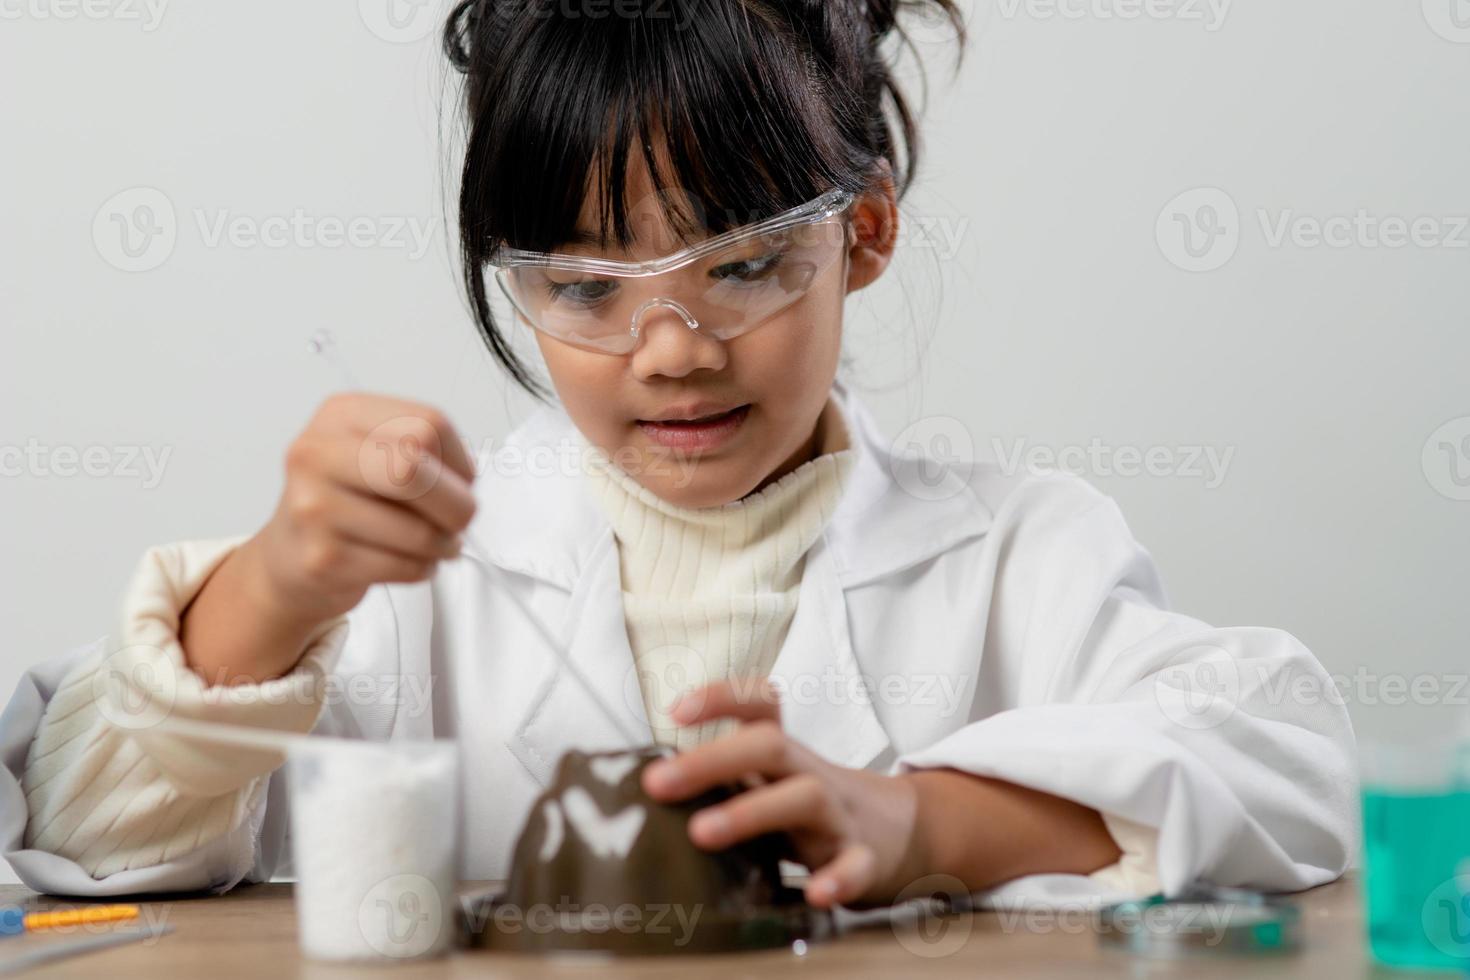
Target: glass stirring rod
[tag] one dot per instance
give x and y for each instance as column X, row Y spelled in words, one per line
column 323, row 344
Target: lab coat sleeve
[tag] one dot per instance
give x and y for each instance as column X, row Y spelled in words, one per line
column 1230, row 744
column 99, row 799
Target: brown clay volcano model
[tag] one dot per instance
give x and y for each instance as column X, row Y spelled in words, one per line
column 601, row 866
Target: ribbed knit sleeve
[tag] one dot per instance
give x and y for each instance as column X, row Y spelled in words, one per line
column 105, row 785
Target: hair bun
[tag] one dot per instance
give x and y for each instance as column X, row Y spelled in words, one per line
column 459, row 31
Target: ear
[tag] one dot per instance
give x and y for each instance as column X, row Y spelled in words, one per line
column 874, row 219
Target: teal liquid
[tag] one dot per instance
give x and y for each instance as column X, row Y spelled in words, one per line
column 1416, row 877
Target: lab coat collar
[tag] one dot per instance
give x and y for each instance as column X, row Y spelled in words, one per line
column 547, row 525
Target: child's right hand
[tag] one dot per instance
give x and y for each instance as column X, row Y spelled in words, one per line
column 377, row 490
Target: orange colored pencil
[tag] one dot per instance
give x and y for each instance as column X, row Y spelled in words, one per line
column 74, row 917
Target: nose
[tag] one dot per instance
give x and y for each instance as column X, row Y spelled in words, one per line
column 670, row 342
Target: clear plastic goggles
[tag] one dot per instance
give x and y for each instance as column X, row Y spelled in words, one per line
column 724, row 286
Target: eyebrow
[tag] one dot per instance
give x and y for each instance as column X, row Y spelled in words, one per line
column 581, row 236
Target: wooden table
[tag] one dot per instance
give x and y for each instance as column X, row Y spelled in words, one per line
column 251, row 932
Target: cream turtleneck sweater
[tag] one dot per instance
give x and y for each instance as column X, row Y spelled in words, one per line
column 709, row 593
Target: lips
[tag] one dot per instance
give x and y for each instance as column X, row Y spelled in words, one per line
column 695, row 413
column 693, row 429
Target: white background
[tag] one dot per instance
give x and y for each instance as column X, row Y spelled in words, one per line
column 1062, row 319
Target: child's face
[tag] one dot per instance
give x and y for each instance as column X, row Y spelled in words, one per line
column 783, row 370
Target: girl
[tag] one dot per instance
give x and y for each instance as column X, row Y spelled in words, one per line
column 920, row 669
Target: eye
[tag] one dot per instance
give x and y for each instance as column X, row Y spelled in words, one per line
column 584, row 292
column 748, row 270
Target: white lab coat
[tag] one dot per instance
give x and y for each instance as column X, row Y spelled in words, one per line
column 1007, row 626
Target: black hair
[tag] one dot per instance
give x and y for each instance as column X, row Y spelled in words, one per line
column 757, row 106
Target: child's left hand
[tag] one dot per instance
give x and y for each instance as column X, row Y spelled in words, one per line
column 854, row 829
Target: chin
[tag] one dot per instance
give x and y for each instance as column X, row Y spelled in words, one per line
column 695, row 494
column 708, row 486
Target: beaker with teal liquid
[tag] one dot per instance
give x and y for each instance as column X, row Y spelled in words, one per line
column 1416, row 866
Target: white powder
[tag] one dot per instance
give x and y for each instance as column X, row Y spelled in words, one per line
column 375, row 843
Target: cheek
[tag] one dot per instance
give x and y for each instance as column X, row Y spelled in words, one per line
column 583, row 381
column 797, row 350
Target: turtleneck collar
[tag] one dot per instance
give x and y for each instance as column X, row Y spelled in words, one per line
column 754, row 543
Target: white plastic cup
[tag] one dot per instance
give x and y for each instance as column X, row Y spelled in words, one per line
column 375, row 844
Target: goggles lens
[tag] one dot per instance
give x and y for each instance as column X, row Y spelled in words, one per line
column 723, row 290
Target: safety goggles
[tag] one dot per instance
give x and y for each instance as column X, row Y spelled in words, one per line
column 724, row 286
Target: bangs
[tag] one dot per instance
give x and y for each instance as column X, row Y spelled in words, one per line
column 720, row 104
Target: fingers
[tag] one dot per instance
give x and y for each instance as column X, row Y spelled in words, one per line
column 384, row 524
column 333, row 564
column 758, row 747
column 788, row 804
column 845, row 878
column 744, row 700
column 393, row 470
column 800, row 803
column 394, row 418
